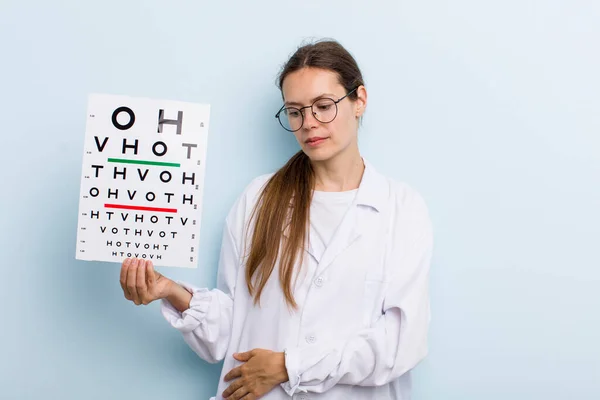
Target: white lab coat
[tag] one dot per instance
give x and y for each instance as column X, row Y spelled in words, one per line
column 363, row 314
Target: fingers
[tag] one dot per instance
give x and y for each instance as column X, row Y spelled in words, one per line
column 239, row 394
column 234, row 373
column 236, row 390
column 140, row 283
column 150, row 276
column 244, row 356
column 123, row 278
column 138, row 280
column 132, row 281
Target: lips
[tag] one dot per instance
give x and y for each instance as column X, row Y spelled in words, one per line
column 315, row 139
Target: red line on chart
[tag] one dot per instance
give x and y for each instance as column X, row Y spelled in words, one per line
column 139, row 208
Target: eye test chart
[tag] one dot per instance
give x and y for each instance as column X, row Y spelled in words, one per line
column 142, row 180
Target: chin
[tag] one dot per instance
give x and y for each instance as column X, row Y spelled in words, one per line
column 319, row 155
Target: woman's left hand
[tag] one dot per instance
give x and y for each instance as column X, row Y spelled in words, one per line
column 262, row 371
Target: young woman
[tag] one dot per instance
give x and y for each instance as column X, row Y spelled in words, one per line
column 322, row 289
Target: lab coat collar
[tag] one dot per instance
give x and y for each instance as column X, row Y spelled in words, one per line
column 373, row 189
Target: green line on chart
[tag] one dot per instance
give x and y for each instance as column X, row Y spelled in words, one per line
column 141, row 162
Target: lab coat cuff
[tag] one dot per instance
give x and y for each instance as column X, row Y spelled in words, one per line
column 292, row 361
column 191, row 318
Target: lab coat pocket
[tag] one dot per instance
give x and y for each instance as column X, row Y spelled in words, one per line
column 372, row 300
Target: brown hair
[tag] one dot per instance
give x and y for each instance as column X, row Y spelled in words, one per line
column 284, row 203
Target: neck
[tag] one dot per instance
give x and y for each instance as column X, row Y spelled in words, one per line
column 340, row 173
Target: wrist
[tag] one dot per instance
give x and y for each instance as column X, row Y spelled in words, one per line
column 172, row 289
column 283, row 375
column 178, row 296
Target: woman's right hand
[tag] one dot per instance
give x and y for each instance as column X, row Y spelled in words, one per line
column 141, row 283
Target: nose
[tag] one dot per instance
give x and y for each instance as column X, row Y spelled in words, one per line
column 310, row 121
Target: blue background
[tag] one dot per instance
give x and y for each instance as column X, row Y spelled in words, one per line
column 489, row 109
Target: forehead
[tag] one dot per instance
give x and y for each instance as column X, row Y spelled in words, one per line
column 307, row 83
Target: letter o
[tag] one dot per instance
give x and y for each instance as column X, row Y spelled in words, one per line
column 165, row 180
column 156, row 153
column 116, row 114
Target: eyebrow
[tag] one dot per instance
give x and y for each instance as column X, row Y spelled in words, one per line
column 294, row 103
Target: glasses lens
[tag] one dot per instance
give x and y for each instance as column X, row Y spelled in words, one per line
column 324, row 110
column 291, row 119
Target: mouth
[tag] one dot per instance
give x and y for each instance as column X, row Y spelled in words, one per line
column 315, row 141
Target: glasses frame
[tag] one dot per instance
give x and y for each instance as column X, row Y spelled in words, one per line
column 335, row 102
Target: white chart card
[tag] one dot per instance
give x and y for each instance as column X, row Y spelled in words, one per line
column 142, row 180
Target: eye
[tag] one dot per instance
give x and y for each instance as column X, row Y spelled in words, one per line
column 292, row 112
column 324, row 105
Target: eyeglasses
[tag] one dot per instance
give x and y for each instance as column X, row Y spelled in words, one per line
column 324, row 110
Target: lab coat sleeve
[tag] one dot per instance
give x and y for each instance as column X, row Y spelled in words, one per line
column 206, row 324
column 393, row 345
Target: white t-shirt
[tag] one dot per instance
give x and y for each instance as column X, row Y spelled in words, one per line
column 327, row 211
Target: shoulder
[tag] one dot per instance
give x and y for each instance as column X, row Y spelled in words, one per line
column 405, row 196
column 406, row 207
column 249, row 196
column 256, row 185
column 395, row 194
column 406, row 215
column 246, row 200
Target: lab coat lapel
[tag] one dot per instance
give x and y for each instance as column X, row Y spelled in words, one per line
column 371, row 195
column 349, row 231
column 370, row 199
column 313, row 246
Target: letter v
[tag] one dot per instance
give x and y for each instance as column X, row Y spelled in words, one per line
column 100, row 146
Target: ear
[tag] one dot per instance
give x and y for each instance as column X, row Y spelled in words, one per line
column 361, row 101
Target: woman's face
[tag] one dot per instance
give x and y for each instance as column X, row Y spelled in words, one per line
column 323, row 141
